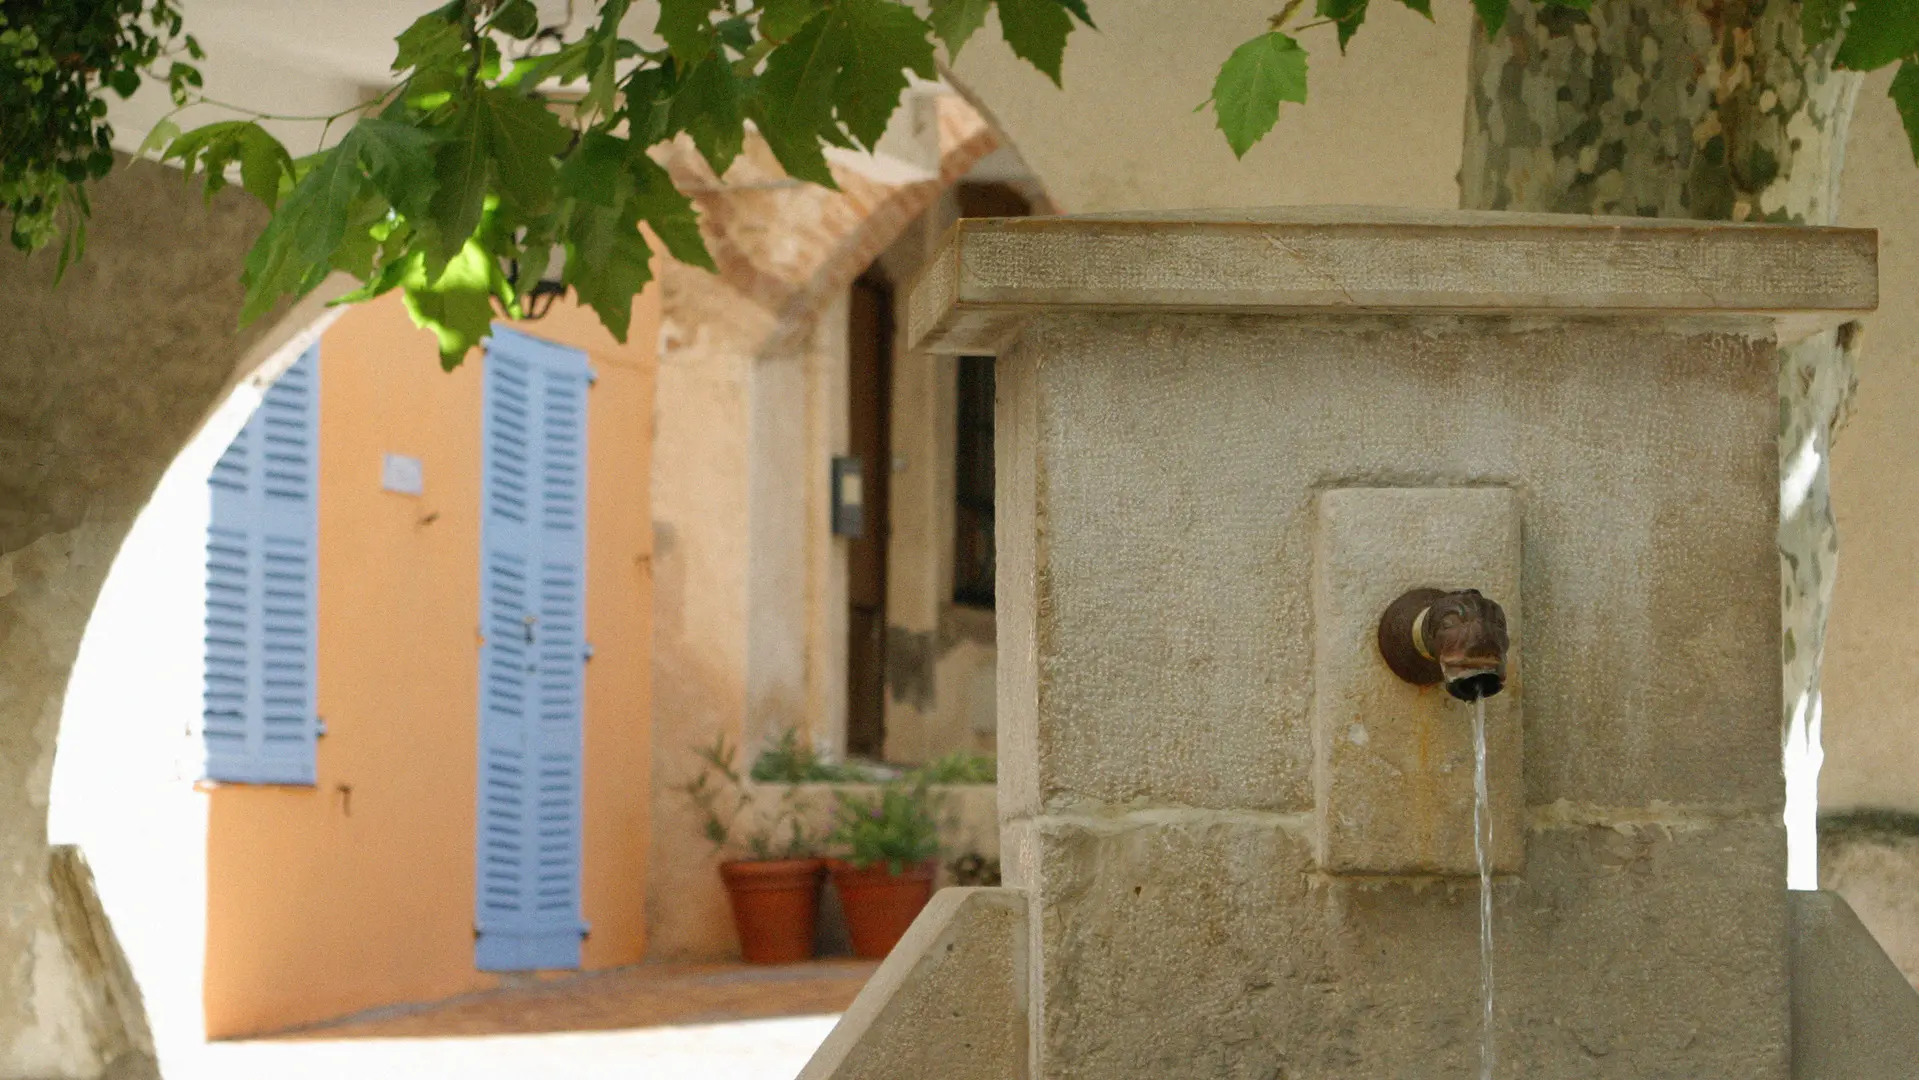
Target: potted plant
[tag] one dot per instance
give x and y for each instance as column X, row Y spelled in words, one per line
column 773, row 880
column 891, row 842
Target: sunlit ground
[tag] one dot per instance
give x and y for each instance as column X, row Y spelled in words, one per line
column 744, row 1050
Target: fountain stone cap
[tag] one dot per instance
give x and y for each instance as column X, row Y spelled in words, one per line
column 991, row 272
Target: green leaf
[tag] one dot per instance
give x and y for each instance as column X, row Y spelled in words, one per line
column 1424, row 7
column 163, row 133
column 390, row 277
column 1492, row 15
column 457, row 306
column 360, row 248
column 517, row 19
column 708, row 108
column 1879, row 32
column 798, row 151
column 523, row 137
column 884, row 40
column 399, row 159
column 595, row 172
column 1905, row 97
column 956, row 21
column 602, row 54
column 432, row 41
column 1078, row 8
column 1036, row 30
column 850, row 63
column 318, row 206
column 263, row 162
column 607, row 263
column 1819, row 20
column 1259, row 75
column 125, row 81
column 565, row 64
column 295, row 252
column 1347, row 15
column 735, row 33
column 797, row 93
column 460, row 167
column 685, row 27
column 649, row 105
column 781, row 19
column 670, row 213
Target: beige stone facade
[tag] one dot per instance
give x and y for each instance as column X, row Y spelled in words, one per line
column 750, row 582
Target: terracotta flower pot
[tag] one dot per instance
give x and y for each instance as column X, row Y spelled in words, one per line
column 776, row 905
column 880, row 904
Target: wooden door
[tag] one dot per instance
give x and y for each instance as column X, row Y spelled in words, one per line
column 870, row 392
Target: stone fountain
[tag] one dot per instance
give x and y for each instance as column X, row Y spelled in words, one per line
column 1237, row 845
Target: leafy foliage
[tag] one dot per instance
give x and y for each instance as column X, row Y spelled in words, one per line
column 1905, row 96
column 1271, row 68
column 57, row 59
column 787, row 760
column 895, row 826
column 727, row 816
column 1879, row 32
column 960, row 767
column 502, row 144
column 505, row 144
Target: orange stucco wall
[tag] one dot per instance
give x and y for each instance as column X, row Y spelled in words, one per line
column 359, row 892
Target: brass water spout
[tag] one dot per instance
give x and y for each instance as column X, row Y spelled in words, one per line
column 1429, row 636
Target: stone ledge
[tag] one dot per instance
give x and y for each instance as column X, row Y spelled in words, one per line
column 949, row 1002
column 990, row 275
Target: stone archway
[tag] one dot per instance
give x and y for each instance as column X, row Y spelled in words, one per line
column 744, row 573
column 104, row 377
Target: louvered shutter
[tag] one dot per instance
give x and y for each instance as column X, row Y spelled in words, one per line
column 532, row 660
column 258, row 724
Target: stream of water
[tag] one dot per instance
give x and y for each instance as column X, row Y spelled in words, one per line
column 1483, row 851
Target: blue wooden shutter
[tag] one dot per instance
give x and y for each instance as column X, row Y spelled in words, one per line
column 533, row 618
column 258, row 723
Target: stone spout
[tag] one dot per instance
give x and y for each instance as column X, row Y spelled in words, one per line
column 1457, row 639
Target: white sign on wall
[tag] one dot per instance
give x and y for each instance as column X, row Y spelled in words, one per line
column 401, row 474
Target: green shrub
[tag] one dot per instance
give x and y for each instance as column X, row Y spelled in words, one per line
column 720, row 797
column 894, row 825
column 787, row 760
column 960, row 767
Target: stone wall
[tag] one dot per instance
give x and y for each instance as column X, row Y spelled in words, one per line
column 103, row 378
column 748, row 583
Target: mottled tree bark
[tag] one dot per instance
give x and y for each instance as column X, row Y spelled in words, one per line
column 1693, row 109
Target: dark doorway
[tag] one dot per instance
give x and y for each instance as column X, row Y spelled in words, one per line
column 973, row 560
column 973, row 555
column 870, row 394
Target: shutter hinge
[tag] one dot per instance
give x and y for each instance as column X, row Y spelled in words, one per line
column 592, row 375
column 319, row 726
column 587, row 653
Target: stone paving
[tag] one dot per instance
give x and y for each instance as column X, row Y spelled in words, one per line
column 742, row 1050
column 660, row 1022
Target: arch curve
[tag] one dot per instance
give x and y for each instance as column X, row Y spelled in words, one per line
column 104, row 378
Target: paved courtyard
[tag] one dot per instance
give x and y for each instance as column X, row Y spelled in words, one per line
column 658, row 1022
column 740, row 1050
